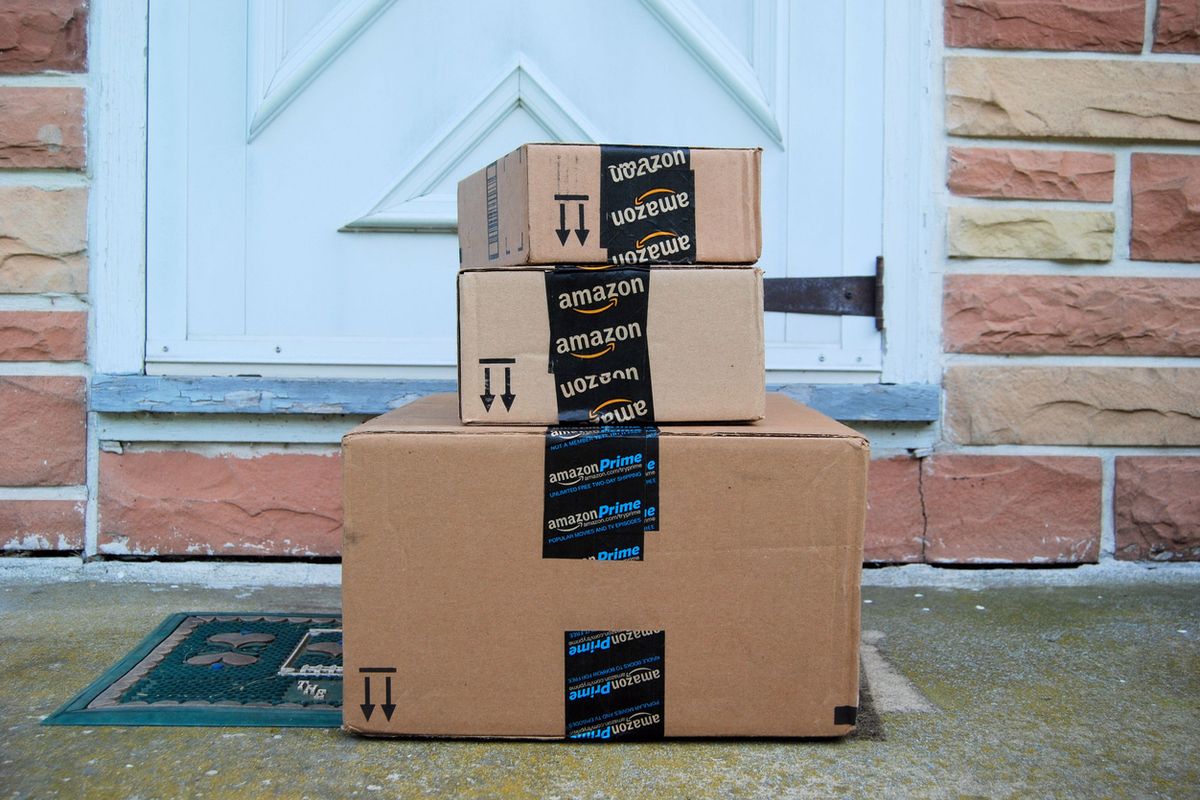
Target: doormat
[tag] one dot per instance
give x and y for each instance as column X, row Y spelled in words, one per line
column 277, row 670
column 247, row 670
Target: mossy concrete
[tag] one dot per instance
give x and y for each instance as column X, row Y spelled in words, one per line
column 1066, row 691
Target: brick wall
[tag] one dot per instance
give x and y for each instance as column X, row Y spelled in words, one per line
column 43, row 275
column 1071, row 296
column 1069, row 183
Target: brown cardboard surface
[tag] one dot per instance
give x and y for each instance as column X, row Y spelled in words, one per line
column 754, row 576
column 704, row 332
column 527, row 216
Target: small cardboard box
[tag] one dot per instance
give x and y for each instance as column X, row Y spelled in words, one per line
column 612, row 204
column 717, row 593
column 617, row 345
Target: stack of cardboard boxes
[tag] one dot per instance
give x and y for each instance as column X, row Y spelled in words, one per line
column 612, row 532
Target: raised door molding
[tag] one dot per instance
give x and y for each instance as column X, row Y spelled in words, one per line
column 276, row 76
column 413, row 204
column 749, row 80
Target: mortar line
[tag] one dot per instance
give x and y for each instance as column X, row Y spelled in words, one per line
column 924, row 511
column 1149, row 27
column 1108, row 530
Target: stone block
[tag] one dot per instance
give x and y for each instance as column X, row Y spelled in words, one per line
column 41, row 525
column 43, row 335
column 1051, row 314
column 895, row 522
column 976, row 232
column 41, row 127
column 1156, row 504
column 43, row 240
column 43, row 35
column 1166, row 207
column 1155, row 406
column 1043, row 98
column 1012, row 509
column 43, row 430
column 1007, row 174
column 1113, row 26
column 179, row 502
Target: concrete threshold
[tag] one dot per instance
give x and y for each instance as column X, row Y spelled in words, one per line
column 231, row 574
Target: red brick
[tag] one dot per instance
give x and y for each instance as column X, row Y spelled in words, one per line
column 36, row 525
column 41, row 127
column 1011, row 509
column 175, row 502
column 1166, row 207
column 1112, row 26
column 1031, row 174
column 43, row 430
column 40, row 35
column 895, row 523
column 1157, row 508
column 1177, row 26
column 43, row 335
column 1018, row 314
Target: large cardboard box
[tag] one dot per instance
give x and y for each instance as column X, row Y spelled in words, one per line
column 616, row 204
column 716, row 594
column 617, row 346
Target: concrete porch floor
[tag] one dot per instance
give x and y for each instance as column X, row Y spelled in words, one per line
column 1088, row 691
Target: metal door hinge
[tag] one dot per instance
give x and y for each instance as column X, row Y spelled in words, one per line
column 856, row 296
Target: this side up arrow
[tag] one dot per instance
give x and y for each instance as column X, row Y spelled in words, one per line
column 368, row 706
column 508, row 397
column 388, row 706
column 582, row 232
column 487, row 397
column 563, row 231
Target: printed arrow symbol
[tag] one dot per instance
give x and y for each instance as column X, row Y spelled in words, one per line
column 387, row 705
column 508, row 397
column 487, row 397
column 368, row 706
column 563, row 231
column 582, row 232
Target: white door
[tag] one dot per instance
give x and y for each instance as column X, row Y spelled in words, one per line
column 303, row 156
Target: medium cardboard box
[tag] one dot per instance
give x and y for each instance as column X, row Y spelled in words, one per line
column 612, row 204
column 716, row 594
column 617, row 345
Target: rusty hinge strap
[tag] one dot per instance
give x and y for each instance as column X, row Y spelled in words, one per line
column 858, row 295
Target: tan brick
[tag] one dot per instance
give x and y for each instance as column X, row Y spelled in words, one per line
column 977, row 232
column 43, row 240
column 1073, row 405
column 43, row 335
column 1012, row 509
column 1114, row 26
column 41, row 525
column 1017, row 314
column 1177, row 27
column 42, row 430
column 175, row 502
column 1046, row 98
column 41, row 35
column 1166, row 207
column 41, row 127
column 1031, row 174
column 895, row 523
column 1157, row 508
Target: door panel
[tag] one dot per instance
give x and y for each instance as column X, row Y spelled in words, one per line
column 303, row 155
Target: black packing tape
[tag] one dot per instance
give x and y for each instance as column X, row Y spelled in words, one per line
column 845, row 715
column 601, row 492
column 615, row 685
column 647, row 205
column 598, row 346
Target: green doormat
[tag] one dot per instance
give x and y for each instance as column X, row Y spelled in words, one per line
column 222, row 669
